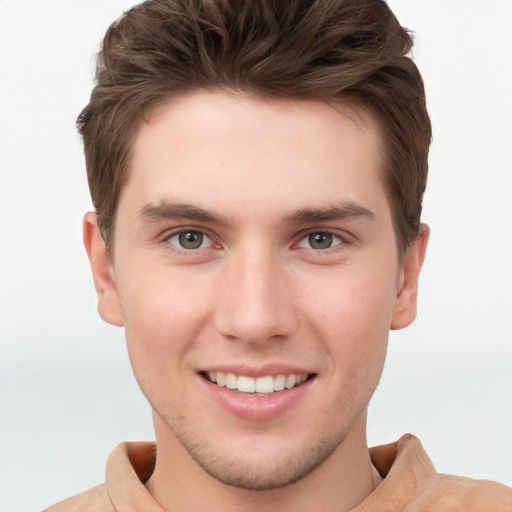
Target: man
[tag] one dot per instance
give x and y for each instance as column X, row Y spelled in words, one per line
column 257, row 170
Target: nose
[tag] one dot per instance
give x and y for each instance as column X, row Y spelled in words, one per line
column 255, row 300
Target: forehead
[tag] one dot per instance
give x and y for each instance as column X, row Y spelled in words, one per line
column 231, row 149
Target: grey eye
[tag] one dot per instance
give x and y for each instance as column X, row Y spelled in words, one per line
column 319, row 240
column 189, row 240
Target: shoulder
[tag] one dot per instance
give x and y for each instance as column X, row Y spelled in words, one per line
column 93, row 500
column 457, row 493
column 411, row 483
column 128, row 467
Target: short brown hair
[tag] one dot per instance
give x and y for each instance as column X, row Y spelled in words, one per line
column 311, row 49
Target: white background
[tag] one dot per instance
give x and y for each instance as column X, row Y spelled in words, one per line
column 67, row 395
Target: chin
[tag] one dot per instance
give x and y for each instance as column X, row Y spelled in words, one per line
column 260, row 464
column 259, row 473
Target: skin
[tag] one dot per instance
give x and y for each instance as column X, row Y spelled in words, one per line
column 260, row 179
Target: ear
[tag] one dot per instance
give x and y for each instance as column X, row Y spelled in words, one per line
column 102, row 271
column 405, row 309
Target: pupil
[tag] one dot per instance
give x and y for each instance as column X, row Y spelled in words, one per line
column 320, row 240
column 191, row 239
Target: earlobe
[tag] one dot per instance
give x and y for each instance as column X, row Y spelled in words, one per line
column 102, row 272
column 405, row 308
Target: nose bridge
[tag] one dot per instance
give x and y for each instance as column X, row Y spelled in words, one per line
column 255, row 302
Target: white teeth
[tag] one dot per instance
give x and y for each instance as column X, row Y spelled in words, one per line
column 246, row 384
column 290, row 381
column 221, row 379
column 264, row 385
column 231, row 381
column 279, row 382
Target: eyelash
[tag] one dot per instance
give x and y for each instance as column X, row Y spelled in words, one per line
column 336, row 239
column 341, row 240
column 185, row 231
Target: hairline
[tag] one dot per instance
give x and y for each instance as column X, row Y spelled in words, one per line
column 353, row 103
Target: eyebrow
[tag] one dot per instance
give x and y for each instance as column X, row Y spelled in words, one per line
column 165, row 210
column 342, row 211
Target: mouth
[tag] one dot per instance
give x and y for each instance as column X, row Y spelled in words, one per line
column 257, row 386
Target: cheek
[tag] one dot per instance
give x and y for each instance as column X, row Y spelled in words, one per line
column 353, row 301
column 358, row 339
column 163, row 303
column 163, row 316
column 353, row 317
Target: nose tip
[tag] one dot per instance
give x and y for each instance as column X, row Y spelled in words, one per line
column 255, row 303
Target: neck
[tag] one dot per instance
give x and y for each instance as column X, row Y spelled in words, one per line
column 340, row 483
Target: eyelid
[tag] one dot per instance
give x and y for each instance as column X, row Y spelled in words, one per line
column 343, row 237
column 170, row 233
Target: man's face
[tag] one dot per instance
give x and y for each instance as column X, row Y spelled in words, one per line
column 254, row 246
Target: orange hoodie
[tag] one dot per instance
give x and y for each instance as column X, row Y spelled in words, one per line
column 411, row 484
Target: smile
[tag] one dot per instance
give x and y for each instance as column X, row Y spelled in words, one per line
column 260, row 385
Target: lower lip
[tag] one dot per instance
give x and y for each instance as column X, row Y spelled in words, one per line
column 257, row 408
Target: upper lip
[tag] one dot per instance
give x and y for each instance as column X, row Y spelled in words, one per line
column 258, row 371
